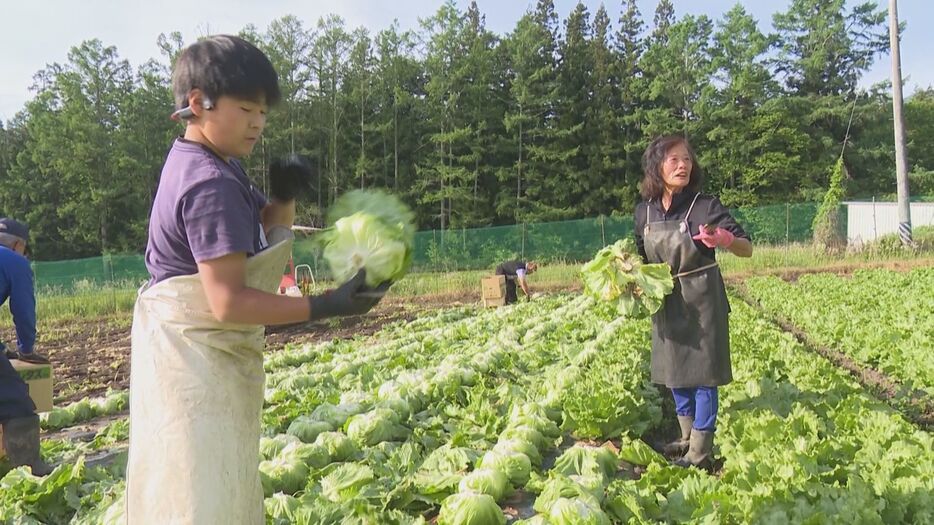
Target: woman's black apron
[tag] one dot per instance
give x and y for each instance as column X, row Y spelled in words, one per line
column 690, row 333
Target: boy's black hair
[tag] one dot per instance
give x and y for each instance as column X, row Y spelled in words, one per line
column 225, row 65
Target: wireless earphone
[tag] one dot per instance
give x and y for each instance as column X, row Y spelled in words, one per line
column 186, row 113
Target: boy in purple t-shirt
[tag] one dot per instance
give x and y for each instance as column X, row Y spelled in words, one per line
column 193, row 454
column 207, row 218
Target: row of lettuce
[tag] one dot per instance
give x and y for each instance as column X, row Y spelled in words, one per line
column 498, row 398
column 879, row 318
column 477, row 417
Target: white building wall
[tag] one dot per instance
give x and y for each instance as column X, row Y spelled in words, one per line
column 867, row 221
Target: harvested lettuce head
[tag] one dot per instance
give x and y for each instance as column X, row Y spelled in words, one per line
column 521, row 446
column 283, row 474
column 387, row 208
column 618, row 275
column 307, row 429
column 338, row 446
column 346, row 482
column 583, row 460
column 486, row 481
column 372, row 230
column 375, row 427
column 281, row 507
column 515, row 465
column 470, row 508
column 270, row 447
column 575, row 511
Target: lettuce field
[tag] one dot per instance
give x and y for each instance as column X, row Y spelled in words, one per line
column 542, row 413
column 881, row 319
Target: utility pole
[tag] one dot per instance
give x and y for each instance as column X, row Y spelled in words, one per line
column 901, row 162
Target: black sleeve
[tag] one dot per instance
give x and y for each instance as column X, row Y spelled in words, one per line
column 719, row 215
column 637, row 229
column 509, row 268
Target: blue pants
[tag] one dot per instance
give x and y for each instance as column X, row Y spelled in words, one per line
column 699, row 403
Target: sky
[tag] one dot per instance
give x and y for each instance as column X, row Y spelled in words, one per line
column 34, row 33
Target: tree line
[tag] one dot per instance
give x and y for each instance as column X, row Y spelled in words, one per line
column 472, row 128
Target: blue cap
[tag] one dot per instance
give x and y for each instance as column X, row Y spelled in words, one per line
column 15, row 228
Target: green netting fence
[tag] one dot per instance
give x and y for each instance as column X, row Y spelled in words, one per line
column 456, row 249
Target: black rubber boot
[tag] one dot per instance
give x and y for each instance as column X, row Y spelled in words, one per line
column 700, row 450
column 21, row 442
column 679, row 447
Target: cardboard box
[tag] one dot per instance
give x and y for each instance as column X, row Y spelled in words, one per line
column 493, row 287
column 493, row 290
column 501, row 301
column 39, row 380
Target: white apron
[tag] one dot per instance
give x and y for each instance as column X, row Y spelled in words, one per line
column 196, row 395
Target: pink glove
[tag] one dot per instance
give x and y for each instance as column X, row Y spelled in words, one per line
column 718, row 238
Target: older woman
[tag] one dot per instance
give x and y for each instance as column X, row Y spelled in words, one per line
column 676, row 224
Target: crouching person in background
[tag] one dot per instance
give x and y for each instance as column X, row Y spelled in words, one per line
column 17, row 411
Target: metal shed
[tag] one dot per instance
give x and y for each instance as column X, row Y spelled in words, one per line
column 866, row 221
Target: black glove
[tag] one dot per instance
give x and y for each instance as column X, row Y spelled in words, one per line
column 290, row 177
column 351, row 298
column 31, row 357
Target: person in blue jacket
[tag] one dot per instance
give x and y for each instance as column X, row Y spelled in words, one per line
column 17, row 411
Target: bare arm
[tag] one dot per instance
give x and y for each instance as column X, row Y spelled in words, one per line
column 231, row 301
column 525, row 286
column 741, row 247
column 278, row 213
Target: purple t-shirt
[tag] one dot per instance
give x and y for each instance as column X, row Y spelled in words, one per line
column 205, row 208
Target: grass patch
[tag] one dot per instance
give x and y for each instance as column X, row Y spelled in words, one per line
column 90, row 301
column 799, row 256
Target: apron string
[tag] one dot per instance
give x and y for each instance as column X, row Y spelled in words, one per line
column 695, row 270
column 688, row 215
column 648, row 209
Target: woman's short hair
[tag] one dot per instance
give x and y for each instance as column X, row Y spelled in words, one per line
column 225, row 65
column 653, row 185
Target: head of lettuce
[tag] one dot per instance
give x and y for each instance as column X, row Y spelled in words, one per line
column 617, row 275
column 371, row 230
